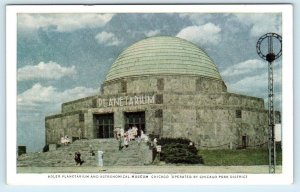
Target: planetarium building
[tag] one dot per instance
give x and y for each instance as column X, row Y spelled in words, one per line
column 166, row 87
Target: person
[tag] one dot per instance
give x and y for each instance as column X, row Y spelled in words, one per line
column 77, row 158
column 79, row 133
column 154, row 150
column 120, row 144
column 65, row 140
column 154, row 142
column 126, row 139
column 117, row 134
column 135, row 131
column 122, row 132
column 130, row 134
column 144, row 137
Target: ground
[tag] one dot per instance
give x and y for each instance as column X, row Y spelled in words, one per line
column 260, row 169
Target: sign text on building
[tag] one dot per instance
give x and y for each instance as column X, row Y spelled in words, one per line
column 126, row 101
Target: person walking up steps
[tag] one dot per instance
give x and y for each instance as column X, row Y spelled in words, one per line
column 77, row 159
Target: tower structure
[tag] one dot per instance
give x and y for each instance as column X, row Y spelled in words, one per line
column 270, row 56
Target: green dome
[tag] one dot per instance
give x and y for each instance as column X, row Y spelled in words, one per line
column 163, row 55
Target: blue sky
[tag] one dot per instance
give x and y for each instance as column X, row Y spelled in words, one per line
column 62, row 57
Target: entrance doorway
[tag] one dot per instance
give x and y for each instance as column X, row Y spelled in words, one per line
column 244, row 141
column 135, row 119
column 104, row 125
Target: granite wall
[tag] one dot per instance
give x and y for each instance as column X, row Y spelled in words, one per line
column 182, row 106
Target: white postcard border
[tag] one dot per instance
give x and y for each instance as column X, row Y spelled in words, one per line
column 286, row 177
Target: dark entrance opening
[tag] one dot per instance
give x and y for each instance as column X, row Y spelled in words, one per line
column 244, row 141
column 104, row 125
column 135, row 119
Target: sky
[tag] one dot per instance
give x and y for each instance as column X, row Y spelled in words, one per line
column 63, row 57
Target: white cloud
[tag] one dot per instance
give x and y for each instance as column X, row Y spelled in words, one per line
column 63, row 22
column 39, row 97
column 244, row 67
column 107, row 38
column 256, row 82
column 250, row 84
column 260, row 23
column 152, row 33
column 257, row 86
column 251, row 75
column 50, row 70
column 203, row 34
column 253, row 81
column 38, row 102
column 196, row 18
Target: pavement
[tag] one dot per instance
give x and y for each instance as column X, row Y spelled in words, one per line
column 259, row 169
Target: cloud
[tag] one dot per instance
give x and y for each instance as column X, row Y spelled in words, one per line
column 256, row 82
column 251, row 78
column 34, row 104
column 244, row 67
column 50, row 70
column 260, row 23
column 152, row 33
column 196, row 18
column 203, row 34
column 39, row 97
column 62, row 22
column 251, row 75
column 108, row 39
column 257, row 86
column 251, row 84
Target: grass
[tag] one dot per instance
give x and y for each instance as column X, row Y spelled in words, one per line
column 238, row 157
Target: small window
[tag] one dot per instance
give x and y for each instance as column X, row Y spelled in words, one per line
column 159, row 99
column 159, row 113
column 81, row 117
column 244, row 141
column 160, row 84
column 198, row 84
column 238, row 114
column 124, row 86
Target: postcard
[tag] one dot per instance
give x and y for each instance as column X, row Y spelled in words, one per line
column 149, row 94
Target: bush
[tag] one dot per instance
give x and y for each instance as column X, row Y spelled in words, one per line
column 165, row 140
column 178, row 150
column 46, row 148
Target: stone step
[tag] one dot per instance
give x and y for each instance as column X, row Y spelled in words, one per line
column 136, row 154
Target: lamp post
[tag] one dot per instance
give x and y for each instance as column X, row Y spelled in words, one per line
column 270, row 56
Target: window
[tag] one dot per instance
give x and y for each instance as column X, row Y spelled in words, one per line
column 244, row 141
column 81, row 117
column 104, row 125
column 160, row 84
column 159, row 99
column 123, row 86
column 159, row 113
column 135, row 119
column 238, row 114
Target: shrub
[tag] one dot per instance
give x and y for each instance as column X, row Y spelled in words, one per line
column 178, row 150
column 46, row 148
column 165, row 140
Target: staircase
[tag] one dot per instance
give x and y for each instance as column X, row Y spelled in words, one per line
column 137, row 153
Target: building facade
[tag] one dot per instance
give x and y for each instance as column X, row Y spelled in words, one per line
column 167, row 87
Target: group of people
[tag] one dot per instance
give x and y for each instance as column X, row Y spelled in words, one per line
column 65, row 140
column 124, row 137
